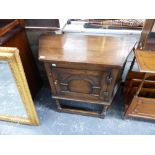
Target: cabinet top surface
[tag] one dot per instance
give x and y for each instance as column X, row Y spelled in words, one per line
column 145, row 60
column 99, row 50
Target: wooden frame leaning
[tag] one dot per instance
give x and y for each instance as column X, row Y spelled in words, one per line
column 11, row 55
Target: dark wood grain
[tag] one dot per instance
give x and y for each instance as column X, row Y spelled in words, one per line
column 16, row 37
column 85, row 49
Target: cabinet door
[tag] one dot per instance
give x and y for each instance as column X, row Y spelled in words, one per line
column 82, row 84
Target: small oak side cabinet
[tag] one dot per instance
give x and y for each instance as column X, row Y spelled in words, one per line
column 84, row 68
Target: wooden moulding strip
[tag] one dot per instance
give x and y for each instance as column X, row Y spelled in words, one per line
column 140, row 116
column 83, row 112
column 82, row 100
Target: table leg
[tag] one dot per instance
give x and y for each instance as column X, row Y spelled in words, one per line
column 104, row 111
column 58, row 105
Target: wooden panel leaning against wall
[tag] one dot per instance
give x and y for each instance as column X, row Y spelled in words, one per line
column 12, row 34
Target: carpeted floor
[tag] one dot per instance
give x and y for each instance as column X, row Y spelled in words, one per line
column 55, row 123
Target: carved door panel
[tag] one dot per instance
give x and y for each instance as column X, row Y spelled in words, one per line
column 83, row 84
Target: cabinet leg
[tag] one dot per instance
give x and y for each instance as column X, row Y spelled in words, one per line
column 124, row 117
column 58, row 105
column 104, row 111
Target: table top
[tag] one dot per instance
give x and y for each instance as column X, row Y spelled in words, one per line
column 101, row 50
column 145, row 60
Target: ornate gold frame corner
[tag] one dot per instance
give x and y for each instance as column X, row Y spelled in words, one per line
column 11, row 55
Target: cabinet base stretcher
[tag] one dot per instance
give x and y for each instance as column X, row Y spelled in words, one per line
column 82, row 112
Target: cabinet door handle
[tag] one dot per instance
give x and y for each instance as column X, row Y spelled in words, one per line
column 53, row 65
column 109, row 79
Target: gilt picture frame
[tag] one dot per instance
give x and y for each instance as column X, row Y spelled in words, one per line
column 16, row 104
